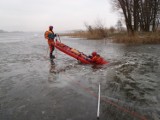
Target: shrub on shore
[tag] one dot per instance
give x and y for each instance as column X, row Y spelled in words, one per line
column 137, row 38
column 96, row 33
column 100, row 32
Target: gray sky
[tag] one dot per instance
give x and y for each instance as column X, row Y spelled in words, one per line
column 37, row 15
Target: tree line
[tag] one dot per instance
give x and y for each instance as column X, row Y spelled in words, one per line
column 140, row 15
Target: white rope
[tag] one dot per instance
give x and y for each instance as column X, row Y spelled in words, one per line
column 98, row 108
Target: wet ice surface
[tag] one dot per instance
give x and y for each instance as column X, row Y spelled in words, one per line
column 32, row 89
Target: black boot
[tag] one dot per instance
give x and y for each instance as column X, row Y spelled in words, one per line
column 52, row 56
column 52, row 62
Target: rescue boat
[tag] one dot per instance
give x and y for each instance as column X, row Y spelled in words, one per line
column 80, row 56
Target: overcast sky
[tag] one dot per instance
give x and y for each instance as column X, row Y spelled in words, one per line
column 37, row 15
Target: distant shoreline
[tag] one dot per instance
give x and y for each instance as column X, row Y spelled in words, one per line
column 3, row 31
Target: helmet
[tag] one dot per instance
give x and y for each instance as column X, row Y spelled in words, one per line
column 94, row 53
column 50, row 27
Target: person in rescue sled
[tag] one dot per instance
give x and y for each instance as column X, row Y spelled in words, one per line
column 96, row 58
column 49, row 35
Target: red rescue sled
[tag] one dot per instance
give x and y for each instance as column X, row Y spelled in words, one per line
column 75, row 53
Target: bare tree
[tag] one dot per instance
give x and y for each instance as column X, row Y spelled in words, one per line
column 156, row 14
column 125, row 6
column 89, row 28
column 142, row 14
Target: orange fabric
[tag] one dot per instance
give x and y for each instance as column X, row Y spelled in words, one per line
column 51, row 45
column 97, row 59
column 47, row 33
column 50, row 42
column 75, row 51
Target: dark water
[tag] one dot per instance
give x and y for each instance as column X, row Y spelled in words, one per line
column 32, row 89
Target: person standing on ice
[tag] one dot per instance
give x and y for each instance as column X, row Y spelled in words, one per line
column 49, row 36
